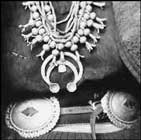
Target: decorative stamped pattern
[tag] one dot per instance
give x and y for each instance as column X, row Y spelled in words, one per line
column 127, row 116
column 29, row 112
column 30, row 126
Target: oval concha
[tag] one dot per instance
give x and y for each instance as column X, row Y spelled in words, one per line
column 121, row 108
column 33, row 118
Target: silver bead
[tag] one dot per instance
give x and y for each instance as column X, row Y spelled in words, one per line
column 52, row 44
column 89, row 8
column 33, row 8
column 89, row 23
column 92, row 15
column 34, row 41
column 86, row 31
column 55, row 52
column 60, row 46
column 46, row 47
column 38, row 23
column 39, row 38
column 82, row 24
column 80, row 11
column 68, row 44
column 80, row 32
column 34, row 31
column 50, row 17
column 83, row 39
column 75, row 39
column 82, row 4
column 35, row 15
column 46, row 38
column 86, row 16
column 74, row 47
column 41, row 31
column 47, row 8
column 32, row 22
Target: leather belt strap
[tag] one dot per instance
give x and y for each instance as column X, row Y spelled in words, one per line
column 100, row 128
column 75, row 110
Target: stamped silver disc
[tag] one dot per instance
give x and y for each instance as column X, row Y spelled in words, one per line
column 33, row 118
column 121, row 108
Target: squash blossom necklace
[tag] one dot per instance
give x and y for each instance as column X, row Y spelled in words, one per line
column 61, row 45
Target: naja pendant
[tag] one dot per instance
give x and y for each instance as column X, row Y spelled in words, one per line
column 83, row 27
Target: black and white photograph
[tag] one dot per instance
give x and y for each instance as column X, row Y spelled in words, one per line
column 70, row 70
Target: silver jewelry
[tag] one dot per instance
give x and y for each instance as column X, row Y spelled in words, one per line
column 33, row 118
column 121, row 109
column 62, row 44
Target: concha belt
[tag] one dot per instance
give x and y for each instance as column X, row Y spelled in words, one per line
column 33, row 118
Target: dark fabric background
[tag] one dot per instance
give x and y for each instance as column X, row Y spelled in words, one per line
column 127, row 16
column 21, row 78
